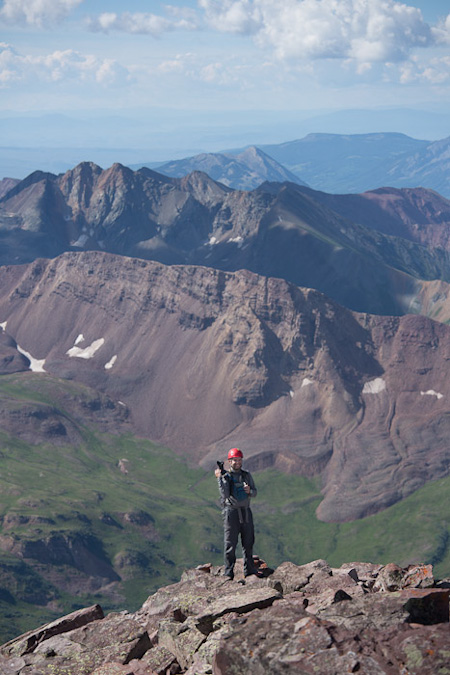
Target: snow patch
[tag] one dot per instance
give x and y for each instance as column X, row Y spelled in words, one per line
column 431, row 392
column 79, row 339
column 374, row 386
column 36, row 365
column 237, row 240
column 110, row 363
column 306, row 382
column 87, row 352
column 81, row 241
column 3, row 325
column 291, row 394
column 212, row 241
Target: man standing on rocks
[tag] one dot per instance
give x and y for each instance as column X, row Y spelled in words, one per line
column 236, row 487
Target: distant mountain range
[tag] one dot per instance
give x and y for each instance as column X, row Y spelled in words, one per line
column 356, row 163
column 329, row 162
column 334, row 163
column 377, row 252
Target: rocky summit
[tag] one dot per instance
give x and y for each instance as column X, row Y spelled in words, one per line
column 359, row 618
column 203, row 358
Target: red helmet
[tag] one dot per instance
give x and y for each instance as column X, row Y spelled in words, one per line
column 235, row 452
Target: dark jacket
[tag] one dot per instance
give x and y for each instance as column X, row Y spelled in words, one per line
column 231, row 488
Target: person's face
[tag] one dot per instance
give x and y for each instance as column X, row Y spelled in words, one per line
column 236, row 463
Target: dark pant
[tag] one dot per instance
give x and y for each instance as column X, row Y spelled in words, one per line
column 238, row 522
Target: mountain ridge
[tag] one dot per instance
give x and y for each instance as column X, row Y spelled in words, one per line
column 330, row 242
column 252, row 359
column 356, row 163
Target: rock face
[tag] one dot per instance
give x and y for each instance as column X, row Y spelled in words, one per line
column 353, row 250
column 304, row 619
column 204, row 358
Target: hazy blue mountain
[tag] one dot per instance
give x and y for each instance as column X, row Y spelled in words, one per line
column 243, row 171
column 347, row 163
column 428, row 167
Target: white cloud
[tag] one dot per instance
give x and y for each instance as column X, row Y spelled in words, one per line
column 36, row 12
column 364, row 31
column 442, row 31
column 67, row 65
column 436, row 71
column 139, row 22
column 234, row 16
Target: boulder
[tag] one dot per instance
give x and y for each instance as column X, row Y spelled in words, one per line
column 359, row 618
column 391, row 577
column 116, row 639
column 28, row 641
column 380, row 611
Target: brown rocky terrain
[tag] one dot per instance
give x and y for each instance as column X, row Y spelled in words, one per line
column 370, row 252
column 420, row 215
column 204, row 359
column 360, row 617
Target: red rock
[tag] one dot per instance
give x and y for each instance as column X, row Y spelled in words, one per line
column 28, row 641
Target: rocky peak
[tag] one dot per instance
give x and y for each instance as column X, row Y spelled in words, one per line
column 310, row 618
column 202, row 187
column 78, row 184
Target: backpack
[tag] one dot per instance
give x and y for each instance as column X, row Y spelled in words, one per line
column 237, row 489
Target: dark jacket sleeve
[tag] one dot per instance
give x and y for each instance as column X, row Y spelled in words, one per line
column 223, row 482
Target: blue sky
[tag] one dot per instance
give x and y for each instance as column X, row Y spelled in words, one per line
column 285, row 57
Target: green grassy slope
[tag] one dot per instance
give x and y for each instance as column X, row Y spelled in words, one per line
column 158, row 516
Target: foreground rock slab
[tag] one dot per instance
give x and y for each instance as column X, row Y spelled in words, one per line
column 308, row 619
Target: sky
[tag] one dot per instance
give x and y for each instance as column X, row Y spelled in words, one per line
column 220, row 62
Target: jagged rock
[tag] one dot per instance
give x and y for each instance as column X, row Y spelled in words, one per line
column 289, row 577
column 391, row 577
column 245, row 601
column 27, row 642
column 319, row 584
column 285, row 640
column 118, row 638
column 182, row 639
column 329, row 621
column 157, row 660
column 427, row 606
